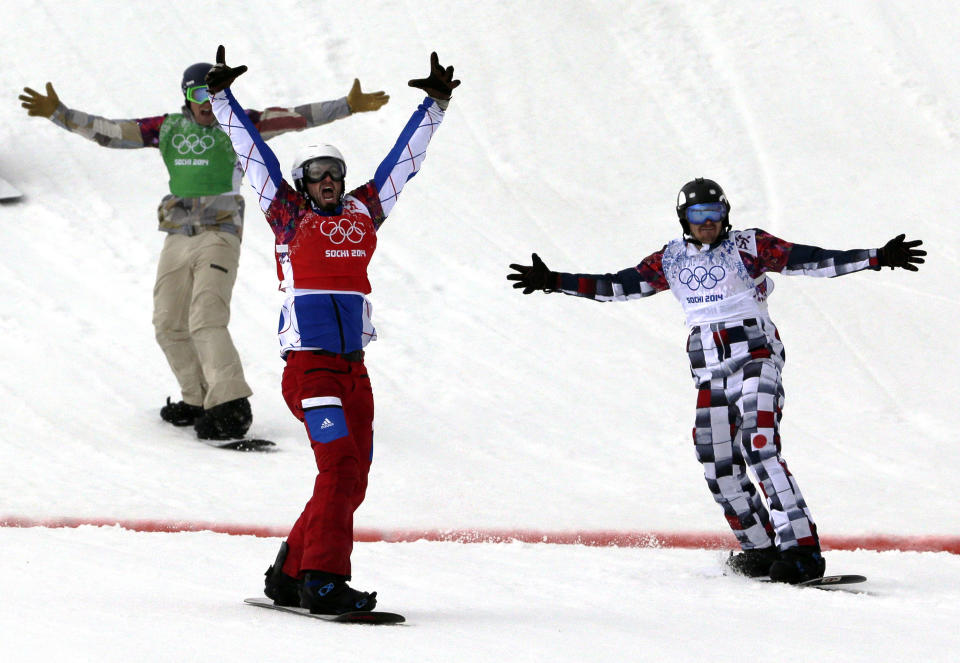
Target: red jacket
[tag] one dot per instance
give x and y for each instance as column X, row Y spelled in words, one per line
column 318, row 251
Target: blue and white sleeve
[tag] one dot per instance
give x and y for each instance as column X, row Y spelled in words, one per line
column 258, row 161
column 408, row 153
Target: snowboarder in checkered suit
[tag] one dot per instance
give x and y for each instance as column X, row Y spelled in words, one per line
column 719, row 276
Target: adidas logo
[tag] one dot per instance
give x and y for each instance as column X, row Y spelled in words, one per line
column 326, row 424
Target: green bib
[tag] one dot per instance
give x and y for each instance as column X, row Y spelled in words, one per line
column 200, row 159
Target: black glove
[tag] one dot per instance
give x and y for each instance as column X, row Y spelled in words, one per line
column 897, row 253
column 439, row 84
column 220, row 76
column 535, row 277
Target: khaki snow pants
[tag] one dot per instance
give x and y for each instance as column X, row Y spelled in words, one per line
column 191, row 309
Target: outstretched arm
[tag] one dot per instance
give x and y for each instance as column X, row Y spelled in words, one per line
column 121, row 134
column 641, row 281
column 275, row 121
column 777, row 255
column 408, row 153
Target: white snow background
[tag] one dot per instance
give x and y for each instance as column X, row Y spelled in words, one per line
column 834, row 124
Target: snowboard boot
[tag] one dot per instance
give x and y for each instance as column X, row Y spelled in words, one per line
column 328, row 594
column 180, row 413
column 283, row 589
column 798, row 564
column 227, row 421
column 752, row 563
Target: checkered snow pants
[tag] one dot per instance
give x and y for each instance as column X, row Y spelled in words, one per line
column 739, row 406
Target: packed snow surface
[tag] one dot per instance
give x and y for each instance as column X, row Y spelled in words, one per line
column 834, row 124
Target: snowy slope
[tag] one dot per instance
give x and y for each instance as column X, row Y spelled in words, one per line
column 496, row 409
column 576, row 123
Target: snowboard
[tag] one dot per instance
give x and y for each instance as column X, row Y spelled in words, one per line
column 8, row 192
column 246, row 444
column 826, row 582
column 358, row 617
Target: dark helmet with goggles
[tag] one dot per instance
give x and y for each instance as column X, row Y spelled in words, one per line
column 193, row 83
column 702, row 200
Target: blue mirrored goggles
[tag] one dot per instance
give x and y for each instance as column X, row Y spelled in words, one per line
column 198, row 94
column 703, row 212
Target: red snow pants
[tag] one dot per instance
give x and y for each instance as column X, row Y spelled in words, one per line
column 334, row 400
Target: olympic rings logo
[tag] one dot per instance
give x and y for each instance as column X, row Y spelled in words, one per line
column 192, row 143
column 701, row 276
column 342, row 230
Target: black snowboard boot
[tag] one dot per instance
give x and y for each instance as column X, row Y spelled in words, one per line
column 180, row 413
column 752, row 563
column 328, row 594
column 227, row 421
column 283, row 589
column 798, row 564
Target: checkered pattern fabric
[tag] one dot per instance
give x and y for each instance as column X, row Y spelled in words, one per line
column 723, row 348
column 739, row 406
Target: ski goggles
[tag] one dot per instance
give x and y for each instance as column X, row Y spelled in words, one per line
column 198, row 94
column 703, row 212
column 317, row 169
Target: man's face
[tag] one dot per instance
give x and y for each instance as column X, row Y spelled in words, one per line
column 706, row 232
column 706, row 221
column 326, row 193
column 202, row 113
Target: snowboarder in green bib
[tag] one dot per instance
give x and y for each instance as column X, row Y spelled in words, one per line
column 202, row 217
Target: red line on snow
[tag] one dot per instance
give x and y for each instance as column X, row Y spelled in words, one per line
column 710, row 540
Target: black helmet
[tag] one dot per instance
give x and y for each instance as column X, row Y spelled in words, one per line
column 697, row 191
column 195, row 74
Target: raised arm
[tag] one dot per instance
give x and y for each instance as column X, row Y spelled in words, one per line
column 408, row 153
column 120, row 134
column 403, row 162
column 259, row 163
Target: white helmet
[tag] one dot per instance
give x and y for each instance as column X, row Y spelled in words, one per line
column 309, row 153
